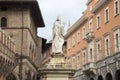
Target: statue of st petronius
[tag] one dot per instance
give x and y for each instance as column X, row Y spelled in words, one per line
column 58, row 37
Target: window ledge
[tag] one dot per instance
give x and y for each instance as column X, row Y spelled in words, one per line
column 106, row 22
column 116, row 15
column 98, row 28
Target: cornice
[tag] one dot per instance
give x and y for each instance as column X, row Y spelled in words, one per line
column 88, row 2
column 98, row 5
column 116, row 28
column 76, row 26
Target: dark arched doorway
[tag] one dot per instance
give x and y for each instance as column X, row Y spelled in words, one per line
column 100, row 78
column 3, row 22
column 91, row 79
column 108, row 77
column 11, row 77
column 117, row 75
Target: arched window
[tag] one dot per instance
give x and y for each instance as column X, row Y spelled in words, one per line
column 100, row 77
column 3, row 22
column 117, row 75
column 109, row 77
column 91, row 79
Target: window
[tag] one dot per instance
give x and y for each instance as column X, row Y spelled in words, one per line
column 78, row 60
column 84, row 58
column 107, row 46
column 98, row 50
column 73, row 40
column 116, row 40
column 91, row 54
column 106, row 15
column 78, row 37
column 98, row 21
column 68, row 60
column 68, row 43
column 117, row 43
column 116, row 7
column 3, row 22
column 91, row 51
column 73, row 61
column 83, row 33
column 90, row 26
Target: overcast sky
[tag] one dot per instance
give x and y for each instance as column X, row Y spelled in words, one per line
column 68, row 10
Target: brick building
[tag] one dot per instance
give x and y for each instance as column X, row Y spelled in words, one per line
column 93, row 42
column 19, row 20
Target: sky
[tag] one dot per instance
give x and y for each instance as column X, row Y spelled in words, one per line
column 69, row 11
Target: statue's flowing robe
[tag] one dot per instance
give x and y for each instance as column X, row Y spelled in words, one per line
column 58, row 39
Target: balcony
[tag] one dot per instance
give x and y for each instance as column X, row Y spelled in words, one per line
column 7, row 56
column 89, row 68
column 89, row 36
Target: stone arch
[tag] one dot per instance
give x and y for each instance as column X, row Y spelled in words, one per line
column 11, row 76
column 117, row 75
column 108, row 76
column 100, row 77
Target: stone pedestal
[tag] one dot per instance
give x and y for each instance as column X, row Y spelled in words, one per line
column 57, row 69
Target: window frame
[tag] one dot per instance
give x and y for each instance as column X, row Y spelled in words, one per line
column 91, row 47
column 78, row 60
column 117, row 32
column 78, row 36
column 83, row 57
column 83, row 32
column 115, row 14
column 73, row 40
column 90, row 25
column 98, row 21
column 106, row 15
column 99, row 56
column 73, row 61
column 69, row 44
column 107, row 46
column 68, row 61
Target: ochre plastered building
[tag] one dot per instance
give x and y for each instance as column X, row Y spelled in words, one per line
column 93, row 42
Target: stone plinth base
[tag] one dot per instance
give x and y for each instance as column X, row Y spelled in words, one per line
column 57, row 69
column 57, row 59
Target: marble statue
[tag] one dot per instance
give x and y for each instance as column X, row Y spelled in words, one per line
column 58, row 37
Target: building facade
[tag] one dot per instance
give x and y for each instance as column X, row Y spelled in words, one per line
column 19, row 20
column 93, row 42
column 8, row 59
